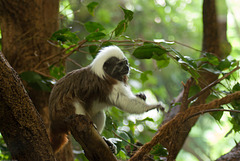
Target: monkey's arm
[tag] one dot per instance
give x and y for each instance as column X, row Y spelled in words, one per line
column 122, row 97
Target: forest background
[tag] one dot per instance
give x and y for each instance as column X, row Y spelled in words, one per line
column 178, row 27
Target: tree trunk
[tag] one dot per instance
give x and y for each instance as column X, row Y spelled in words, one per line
column 211, row 43
column 21, row 126
column 26, row 27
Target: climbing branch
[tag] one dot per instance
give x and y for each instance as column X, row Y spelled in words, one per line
column 170, row 130
column 95, row 148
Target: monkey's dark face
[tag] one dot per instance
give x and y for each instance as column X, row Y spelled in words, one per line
column 116, row 68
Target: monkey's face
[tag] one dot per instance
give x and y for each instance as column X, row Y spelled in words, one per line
column 116, row 68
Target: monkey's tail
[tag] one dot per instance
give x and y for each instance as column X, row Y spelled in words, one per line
column 57, row 140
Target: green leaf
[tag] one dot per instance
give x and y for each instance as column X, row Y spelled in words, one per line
column 211, row 58
column 194, row 90
column 211, row 68
column 57, row 71
column 149, row 51
column 93, row 50
column 190, row 62
column 217, row 115
column 93, row 27
column 211, row 97
column 236, row 87
column 95, row 36
column 64, row 35
column 121, row 27
column 91, row 6
column 36, row 81
column 144, row 76
column 178, row 55
column 163, row 63
column 127, row 136
column 122, row 154
column 162, row 60
column 128, row 14
column 224, row 64
column 130, row 137
column 30, row 76
column 159, row 150
column 235, row 123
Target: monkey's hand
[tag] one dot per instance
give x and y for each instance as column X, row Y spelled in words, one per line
column 111, row 145
column 158, row 107
column 141, row 96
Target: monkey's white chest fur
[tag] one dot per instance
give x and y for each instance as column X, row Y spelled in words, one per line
column 96, row 107
column 96, row 114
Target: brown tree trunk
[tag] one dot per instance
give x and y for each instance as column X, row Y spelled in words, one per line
column 26, row 27
column 21, row 126
column 212, row 40
column 211, row 43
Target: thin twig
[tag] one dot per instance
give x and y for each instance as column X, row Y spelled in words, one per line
column 212, row 84
column 211, row 110
column 185, row 102
column 125, row 140
column 74, row 62
column 187, row 46
column 43, row 74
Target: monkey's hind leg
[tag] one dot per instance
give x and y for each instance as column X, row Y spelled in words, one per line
column 58, row 137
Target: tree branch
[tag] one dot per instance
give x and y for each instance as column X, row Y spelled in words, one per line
column 170, row 131
column 21, row 126
column 211, row 110
column 83, row 131
column 212, row 84
column 233, row 155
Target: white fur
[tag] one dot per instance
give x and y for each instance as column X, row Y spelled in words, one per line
column 123, row 98
column 103, row 56
column 96, row 113
column 79, row 108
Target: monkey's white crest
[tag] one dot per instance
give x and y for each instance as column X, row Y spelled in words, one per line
column 103, row 56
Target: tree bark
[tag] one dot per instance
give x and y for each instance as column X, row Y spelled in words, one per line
column 170, row 131
column 233, row 155
column 26, row 27
column 95, row 148
column 21, row 125
column 211, row 43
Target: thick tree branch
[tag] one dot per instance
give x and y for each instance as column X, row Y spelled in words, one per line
column 233, row 155
column 86, row 135
column 21, row 126
column 170, row 131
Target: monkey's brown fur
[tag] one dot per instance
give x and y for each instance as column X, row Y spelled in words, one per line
column 81, row 84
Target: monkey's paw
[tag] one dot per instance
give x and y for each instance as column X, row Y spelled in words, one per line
column 160, row 107
column 141, row 96
column 111, row 143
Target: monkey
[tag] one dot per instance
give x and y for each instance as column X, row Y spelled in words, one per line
column 91, row 89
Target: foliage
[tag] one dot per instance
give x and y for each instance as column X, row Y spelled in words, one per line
column 161, row 52
column 4, row 153
column 158, row 24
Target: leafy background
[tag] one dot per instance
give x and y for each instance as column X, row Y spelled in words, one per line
column 157, row 69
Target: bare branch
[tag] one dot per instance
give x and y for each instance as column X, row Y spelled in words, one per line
column 211, row 110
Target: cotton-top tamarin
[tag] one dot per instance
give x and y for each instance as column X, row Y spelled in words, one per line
column 90, row 90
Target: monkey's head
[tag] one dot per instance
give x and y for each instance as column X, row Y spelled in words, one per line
column 111, row 61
